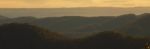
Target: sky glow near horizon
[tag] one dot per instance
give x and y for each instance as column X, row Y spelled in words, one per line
column 72, row 3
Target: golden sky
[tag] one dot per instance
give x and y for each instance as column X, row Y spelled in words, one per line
column 72, row 3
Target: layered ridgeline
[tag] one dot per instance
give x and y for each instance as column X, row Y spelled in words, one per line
column 139, row 27
column 25, row 36
column 68, row 25
column 76, row 26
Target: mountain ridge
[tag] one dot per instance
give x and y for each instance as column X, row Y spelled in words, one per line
column 77, row 26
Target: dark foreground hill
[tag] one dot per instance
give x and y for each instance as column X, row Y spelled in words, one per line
column 114, row 40
column 24, row 36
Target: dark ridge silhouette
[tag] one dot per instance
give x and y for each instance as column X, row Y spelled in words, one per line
column 140, row 27
column 23, row 36
column 118, row 22
column 74, row 25
column 113, row 40
column 78, row 26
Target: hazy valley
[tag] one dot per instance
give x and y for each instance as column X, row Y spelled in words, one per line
column 128, row 31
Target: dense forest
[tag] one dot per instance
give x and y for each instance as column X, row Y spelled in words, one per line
column 123, row 32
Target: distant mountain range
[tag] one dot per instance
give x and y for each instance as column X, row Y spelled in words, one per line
column 76, row 26
column 26, row 36
column 139, row 27
column 82, row 11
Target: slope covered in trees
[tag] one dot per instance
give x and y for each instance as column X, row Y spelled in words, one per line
column 74, row 25
column 114, row 40
column 25, row 36
column 140, row 27
column 77, row 26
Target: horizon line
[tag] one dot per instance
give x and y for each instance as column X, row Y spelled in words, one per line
column 66, row 7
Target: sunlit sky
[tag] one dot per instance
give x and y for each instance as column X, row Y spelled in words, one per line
column 72, row 3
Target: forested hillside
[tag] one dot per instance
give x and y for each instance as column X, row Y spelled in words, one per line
column 25, row 36
column 78, row 26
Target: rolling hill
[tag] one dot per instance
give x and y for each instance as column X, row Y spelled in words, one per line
column 77, row 26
